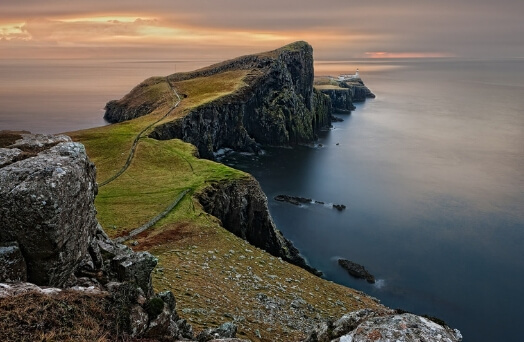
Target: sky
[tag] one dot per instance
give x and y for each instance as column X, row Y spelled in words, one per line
column 337, row 29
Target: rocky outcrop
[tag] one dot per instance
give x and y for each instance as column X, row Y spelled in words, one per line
column 277, row 105
column 346, row 94
column 47, row 206
column 49, row 235
column 12, row 260
column 359, row 91
column 241, row 206
column 368, row 325
column 356, row 270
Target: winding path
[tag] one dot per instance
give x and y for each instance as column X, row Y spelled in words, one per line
column 180, row 196
column 137, row 138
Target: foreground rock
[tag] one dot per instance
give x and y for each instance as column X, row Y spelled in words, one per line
column 50, row 236
column 367, row 325
column 47, row 206
column 356, row 270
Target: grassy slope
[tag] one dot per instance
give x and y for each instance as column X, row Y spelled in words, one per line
column 214, row 275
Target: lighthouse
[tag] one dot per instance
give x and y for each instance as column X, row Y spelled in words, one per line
column 356, row 74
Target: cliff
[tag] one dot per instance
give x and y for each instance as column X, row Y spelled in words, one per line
column 276, row 104
column 241, row 206
column 343, row 95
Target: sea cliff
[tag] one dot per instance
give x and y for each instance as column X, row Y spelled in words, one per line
column 276, row 105
column 343, row 94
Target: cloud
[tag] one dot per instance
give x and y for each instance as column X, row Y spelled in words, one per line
column 336, row 28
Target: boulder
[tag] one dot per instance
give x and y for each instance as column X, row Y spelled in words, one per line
column 225, row 331
column 9, row 156
column 48, row 206
column 137, row 268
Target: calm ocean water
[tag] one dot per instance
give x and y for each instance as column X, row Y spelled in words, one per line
column 431, row 171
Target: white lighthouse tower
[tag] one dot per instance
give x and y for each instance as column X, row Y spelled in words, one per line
column 348, row 77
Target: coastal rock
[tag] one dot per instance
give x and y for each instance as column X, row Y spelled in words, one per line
column 368, row 325
column 346, row 94
column 135, row 267
column 356, row 270
column 48, row 207
column 241, row 206
column 341, row 99
column 297, row 200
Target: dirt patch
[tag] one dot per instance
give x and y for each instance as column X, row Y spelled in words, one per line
column 8, row 138
column 173, row 232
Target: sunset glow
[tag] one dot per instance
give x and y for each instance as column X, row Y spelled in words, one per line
column 378, row 29
column 382, row 54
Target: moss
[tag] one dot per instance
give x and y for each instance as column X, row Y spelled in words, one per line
column 154, row 307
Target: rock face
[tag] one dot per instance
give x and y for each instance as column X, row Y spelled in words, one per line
column 356, row 270
column 241, row 205
column 350, row 92
column 11, row 258
column 341, row 99
column 367, row 325
column 278, row 105
column 47, row 206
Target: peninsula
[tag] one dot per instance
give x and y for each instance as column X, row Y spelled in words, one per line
column 211, row 255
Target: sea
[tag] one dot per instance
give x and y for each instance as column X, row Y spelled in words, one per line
column 431, row 172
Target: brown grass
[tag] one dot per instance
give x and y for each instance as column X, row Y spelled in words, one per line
column 68, row 316
column 9, row 137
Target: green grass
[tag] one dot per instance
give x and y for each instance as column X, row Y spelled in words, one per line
column 202, row 90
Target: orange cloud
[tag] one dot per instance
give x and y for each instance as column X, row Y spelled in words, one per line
column 383, row 54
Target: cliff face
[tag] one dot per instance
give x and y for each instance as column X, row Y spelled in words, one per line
column 348, row 93
column 277, row 105
column 341, row 99
column 242, row 208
